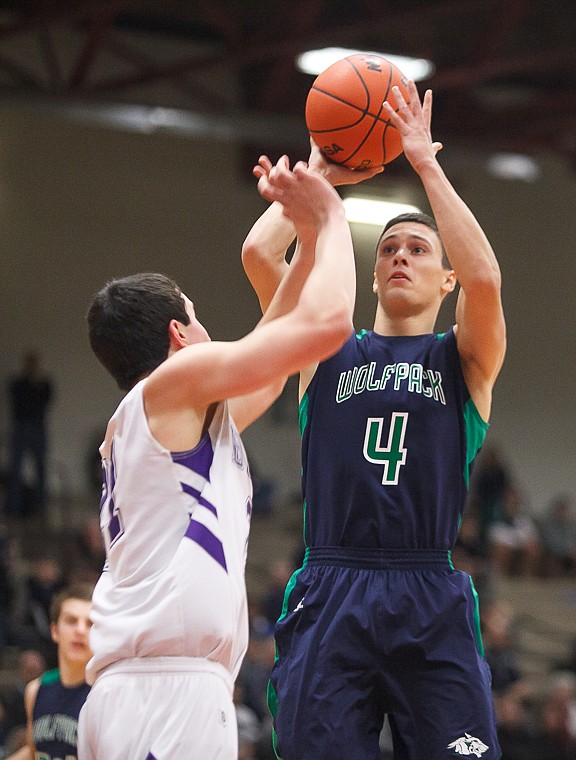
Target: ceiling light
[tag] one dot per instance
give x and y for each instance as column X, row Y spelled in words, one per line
column 513, row 166
column 316, row 61
column 371, row 211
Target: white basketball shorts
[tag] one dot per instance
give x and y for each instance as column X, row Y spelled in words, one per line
column 159, row 708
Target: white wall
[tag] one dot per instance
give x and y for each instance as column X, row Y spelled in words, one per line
column 80, row 204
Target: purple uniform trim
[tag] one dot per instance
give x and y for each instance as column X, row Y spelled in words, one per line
column 115, row 528
column 198, row 459
column 199, row 498
column 208, row 541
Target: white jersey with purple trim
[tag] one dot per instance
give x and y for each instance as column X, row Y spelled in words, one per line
column 176, row 528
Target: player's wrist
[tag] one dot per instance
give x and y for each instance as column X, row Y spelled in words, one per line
column 427, row 166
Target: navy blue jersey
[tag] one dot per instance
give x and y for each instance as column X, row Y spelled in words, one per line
column 55, row 717
column 389, row 433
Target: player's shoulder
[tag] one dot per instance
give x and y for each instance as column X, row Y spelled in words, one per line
column 33, row 686
column 449, row 338
column 50, row 677
column 31, row 692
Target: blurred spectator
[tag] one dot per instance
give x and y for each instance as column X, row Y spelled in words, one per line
column 13, row 591
column 273, row 598
column 31, row 664
column 536, row 725
column 562, row 705
column 43, row 582
column 89, row 552
column 558, row 532
column 53, row 700
column 551, row 743
column 263, row 491
column 4, row 727
column 14, row 742
column 569, row 664
column 515, row 723
column 468, row 555
column 7, row 590
column 490, row 478
column 498, row 634
column 514, row 539
column 29, row 395
column 248, row 724
column 255, row 671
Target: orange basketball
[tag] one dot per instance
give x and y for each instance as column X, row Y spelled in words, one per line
column 345, row 113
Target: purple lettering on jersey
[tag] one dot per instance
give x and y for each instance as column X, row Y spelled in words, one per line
column 199, row 498
column 198, row 459
column 114, row 526
column 208, row 541
column 150, row 756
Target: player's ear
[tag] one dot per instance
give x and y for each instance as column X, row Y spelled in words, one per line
column 177, row 335
column 449, row 282
column 54, row 633
column 375, row 284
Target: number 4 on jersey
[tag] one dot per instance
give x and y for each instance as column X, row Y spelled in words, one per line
column 393, row 455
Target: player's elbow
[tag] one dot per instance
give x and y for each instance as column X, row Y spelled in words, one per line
column 343, row 323
column 334, row 325
column 484, row 283
column 252, row 254
column 255, row 253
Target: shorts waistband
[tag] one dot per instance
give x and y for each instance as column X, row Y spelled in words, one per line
column 378, row 559
column 163, row 665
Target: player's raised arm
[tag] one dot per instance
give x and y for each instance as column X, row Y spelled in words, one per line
column 316, row 327
column 317, row 216
column 264, row 249
column 481, row 332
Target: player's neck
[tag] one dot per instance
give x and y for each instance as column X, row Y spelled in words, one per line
column 71, row 673
column 399, row 324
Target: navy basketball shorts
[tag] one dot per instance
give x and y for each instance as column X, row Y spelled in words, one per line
column 368, row 633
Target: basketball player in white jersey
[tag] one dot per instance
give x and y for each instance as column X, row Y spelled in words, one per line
column 169, row 612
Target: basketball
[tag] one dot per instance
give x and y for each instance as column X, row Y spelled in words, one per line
column 345, row 113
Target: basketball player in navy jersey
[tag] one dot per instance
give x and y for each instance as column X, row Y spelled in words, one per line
column 377, row 621
column 53, row 701
column 170, row 623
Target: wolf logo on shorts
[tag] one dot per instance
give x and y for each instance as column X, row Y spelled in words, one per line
column 468, row 745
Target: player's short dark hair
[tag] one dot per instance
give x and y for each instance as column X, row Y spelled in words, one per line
column 420, row 218
column 128, row 324
column 81, row 591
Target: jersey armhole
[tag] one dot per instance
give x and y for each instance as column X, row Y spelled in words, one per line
column 476, row 429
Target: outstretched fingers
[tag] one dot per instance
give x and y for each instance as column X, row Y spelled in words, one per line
column 405, row 111
column 262, row 167
column 412, row 118
column 273, row 179
column 427, row 108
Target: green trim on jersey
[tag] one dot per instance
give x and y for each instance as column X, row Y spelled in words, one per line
column 303, row 413
column 50, row 676
column 476, row 430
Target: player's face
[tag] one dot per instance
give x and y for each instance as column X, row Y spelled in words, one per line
column 195, row 332
column 408, row 268
column 71, row 631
